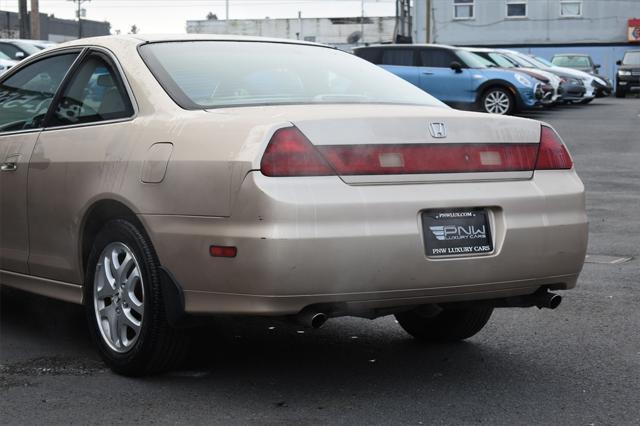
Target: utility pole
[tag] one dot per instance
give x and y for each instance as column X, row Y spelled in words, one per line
column 362, row 21
column 24, row 24
column 428, row 24
column 79, row 13
column 35, row 20
column 226, row 17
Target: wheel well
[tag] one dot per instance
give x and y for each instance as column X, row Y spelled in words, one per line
column 97, row 216
column 495, row 85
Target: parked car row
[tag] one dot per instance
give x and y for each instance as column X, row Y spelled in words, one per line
column 14, row 50
column 496, row 81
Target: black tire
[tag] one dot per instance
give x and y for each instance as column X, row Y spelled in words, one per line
column 501, row 92
column 445, row 326
column 158, row 347
column 620, row 93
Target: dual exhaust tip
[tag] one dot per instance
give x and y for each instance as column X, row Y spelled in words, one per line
column 311, row 318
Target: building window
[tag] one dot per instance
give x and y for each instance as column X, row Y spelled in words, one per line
column 516, row 9
column 570, row 9
column 463, row 9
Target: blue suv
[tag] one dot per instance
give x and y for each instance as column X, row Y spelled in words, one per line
column 458, row 77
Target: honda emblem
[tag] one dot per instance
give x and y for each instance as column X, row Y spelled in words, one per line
column 438, row 130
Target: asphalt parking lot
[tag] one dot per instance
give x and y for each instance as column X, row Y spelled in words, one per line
column 579, row 364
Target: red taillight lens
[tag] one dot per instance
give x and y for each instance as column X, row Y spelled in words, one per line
column 291, row 154
column 430, row 158
column 552, row 154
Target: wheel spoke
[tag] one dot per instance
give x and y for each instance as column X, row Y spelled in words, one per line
column 123, row 268
column 109, row 269
column 110, row 315
column 106, row 290
column 129, row 293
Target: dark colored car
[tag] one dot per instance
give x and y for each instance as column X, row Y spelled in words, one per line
column 576, row 61
column 628, row 75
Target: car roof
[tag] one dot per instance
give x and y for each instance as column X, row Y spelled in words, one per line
column 406, row 46
column 571, row 54
column 25, row 40
column 138, row 39
column 479, row 49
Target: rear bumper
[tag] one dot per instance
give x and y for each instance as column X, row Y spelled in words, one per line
column 304, row 241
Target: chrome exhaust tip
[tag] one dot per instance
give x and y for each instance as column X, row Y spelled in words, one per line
column 312, row 319
column 549, row 301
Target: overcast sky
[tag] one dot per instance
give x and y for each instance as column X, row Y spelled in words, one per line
column 169, row 16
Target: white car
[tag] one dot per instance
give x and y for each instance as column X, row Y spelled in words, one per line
column 6, row 63
column 590, row 81
column 502, row 61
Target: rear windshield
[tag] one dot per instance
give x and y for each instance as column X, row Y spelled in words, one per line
column 214, row 74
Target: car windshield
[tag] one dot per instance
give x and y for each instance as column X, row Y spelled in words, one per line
column 5, row 57
column 521, row 61
column 28, row 47
column 214, row 74
column 572, row 61
column 474, row 61
column 501, row 60
column 631, row 58
column 543, row 61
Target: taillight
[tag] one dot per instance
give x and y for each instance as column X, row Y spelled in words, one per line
column 552, row 154
column 430, row 158
column 291, row 154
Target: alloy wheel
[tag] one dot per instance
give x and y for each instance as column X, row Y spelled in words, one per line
column 497, row 102
column 118, row 297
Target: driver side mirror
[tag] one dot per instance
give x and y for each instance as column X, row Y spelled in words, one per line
column 618, row 62
column 19, row 55
column 456, row 66
column 597, row 66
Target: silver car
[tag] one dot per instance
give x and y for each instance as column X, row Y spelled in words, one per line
column 159, row 180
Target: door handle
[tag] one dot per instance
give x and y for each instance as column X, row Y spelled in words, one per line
column 427, row 73
column 8, row 167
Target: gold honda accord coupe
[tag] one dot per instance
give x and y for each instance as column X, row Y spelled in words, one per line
column 159, row 180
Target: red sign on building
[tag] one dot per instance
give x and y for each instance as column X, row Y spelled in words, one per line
column 634, row 30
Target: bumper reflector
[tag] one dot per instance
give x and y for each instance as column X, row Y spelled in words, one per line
column 223, row 251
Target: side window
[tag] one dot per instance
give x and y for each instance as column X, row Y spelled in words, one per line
column 403, row 57
column 436, row 58
column 370, row 54
column 96, row 93
column 26, row 95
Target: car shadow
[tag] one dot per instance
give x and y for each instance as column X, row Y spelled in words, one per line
column 279, row 362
